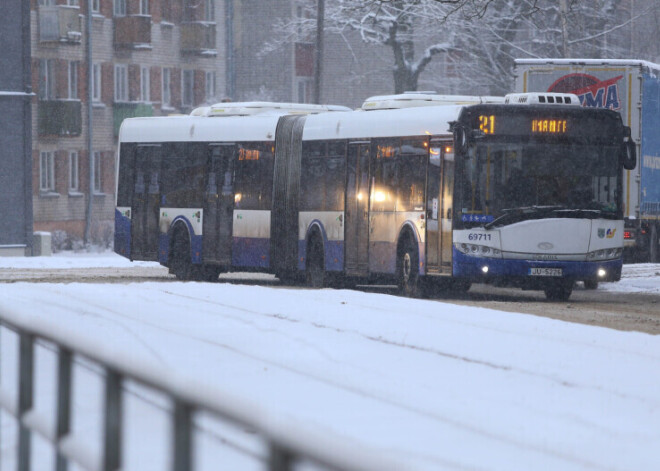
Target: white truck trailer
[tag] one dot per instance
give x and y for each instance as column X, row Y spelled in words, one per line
column 631, row 87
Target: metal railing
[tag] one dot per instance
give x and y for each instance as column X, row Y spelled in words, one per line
column 286, row 446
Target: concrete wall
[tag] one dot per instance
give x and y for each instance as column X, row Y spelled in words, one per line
column 15, row 129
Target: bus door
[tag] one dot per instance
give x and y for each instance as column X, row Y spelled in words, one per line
column 439, row 202
column 446, row 223
column 218, row 218
column 146, row 203
column 356, row 226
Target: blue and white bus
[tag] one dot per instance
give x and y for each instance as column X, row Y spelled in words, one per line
column 427, row 191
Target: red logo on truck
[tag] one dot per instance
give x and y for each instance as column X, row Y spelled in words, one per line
column 592, row 92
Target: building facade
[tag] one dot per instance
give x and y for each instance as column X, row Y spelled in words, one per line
column 149, row 58
column 155, row 58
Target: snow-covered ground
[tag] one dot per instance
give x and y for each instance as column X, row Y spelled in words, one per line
column 433, row 385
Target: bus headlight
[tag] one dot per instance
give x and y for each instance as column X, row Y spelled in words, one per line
column 478, row 250
column 605, row 254
column 602, row 273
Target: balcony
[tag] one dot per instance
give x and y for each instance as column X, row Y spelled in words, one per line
column 59, row 117
column 60, row 23
column 198, row 37
column 133, row 32
column 121, row 111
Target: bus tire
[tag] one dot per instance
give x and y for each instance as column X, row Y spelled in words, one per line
column 179, row 256
column 315, row 264
column 559, row 291
column 460, row 285
column 408, row 269
column 654, row 255
column 208, row 273
column 591, row 284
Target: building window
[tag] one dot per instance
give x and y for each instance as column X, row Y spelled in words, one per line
column 96, row 7
column 121, row 82
column 73, row 3
column 119, row 8
column 188, row 11
column 96, row 82
column 166, row 10
column 73, row 79
column 145, row 94
column 47, row 3
column 144, row 7
column 210, row 86
column 304, row 89
column 209, row 11
column 74, row 177
column 47, row 172
column 97, row 172
column 47, row 79
column 187, row 87
column 167, row 92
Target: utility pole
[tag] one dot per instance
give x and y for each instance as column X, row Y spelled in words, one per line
column 90, row 148
column 320, row 18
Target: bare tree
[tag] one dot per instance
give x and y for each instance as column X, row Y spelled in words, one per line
column 478, row 39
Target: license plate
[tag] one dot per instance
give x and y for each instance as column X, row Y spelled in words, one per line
column 546, row 272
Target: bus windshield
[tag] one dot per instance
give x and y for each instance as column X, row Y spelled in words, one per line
column 503, row 183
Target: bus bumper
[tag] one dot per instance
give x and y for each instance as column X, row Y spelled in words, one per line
column 520, row 272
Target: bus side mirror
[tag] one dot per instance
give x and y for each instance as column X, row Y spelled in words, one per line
column 460, row 139
column 629, row 155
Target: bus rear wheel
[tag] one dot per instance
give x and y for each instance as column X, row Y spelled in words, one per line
column 315, row 266
column 179, row 256
column 204, row 272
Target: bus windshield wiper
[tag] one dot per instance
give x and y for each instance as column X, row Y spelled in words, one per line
column 523, row 213
column 586, row 213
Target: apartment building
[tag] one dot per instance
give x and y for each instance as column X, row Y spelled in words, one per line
column 149, row 58
column 160, row 57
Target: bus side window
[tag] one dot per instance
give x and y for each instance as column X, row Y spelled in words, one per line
column 383, row 190
column 412, row 175
column 253, row 176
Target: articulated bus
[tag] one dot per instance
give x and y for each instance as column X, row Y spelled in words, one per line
column 429, row 193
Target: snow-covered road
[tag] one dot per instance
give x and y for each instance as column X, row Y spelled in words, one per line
column 429, row 384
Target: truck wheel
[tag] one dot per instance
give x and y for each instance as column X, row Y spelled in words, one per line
column 654, row 250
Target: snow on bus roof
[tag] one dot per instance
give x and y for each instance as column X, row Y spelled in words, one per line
column 199, row 129
column 418, row 121
column 257, row 107
column 416, row 99
column 203, row 125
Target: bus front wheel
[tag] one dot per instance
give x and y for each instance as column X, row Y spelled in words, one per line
column 559, row 291
column 590, row 284
column 408, row 270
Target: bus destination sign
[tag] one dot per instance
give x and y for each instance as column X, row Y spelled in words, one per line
column 549, row 126
column 492, row 125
